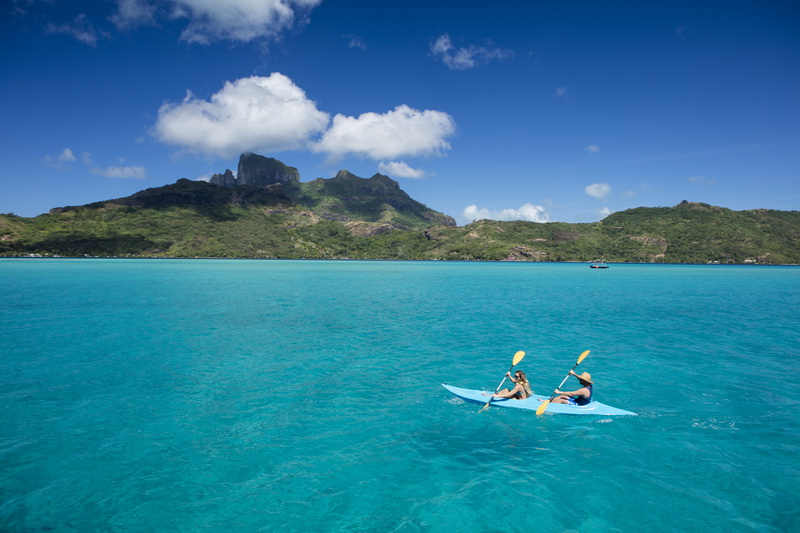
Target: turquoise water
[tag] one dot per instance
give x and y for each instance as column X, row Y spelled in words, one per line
column 186, row 395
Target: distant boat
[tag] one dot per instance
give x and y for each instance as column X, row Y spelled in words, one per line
column 598, row 264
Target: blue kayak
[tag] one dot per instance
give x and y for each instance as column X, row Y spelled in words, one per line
column 533, row 403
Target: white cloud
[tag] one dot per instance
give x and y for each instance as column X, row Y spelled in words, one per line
column 61, row 161
column 269, row 114
column 209, row 20
column 604, row 212
column 598, row 190
column 80, row 28
column 592, row 148
column 399, row 169
column 64, row 160
column 66, row 156
column 529, row 212
column 356, row 42
column 466, row 58
column 401, row 132
column 132, row 13
column 121, row 172
column 250, row 114
column 560, row 92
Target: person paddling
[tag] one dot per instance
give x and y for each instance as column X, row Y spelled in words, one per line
column 521, row 390
column 582, row 396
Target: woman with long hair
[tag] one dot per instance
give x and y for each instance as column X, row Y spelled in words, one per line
column 521, row 390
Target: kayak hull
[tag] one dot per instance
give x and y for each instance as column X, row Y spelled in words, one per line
column 533, row 403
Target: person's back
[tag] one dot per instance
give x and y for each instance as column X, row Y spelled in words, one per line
column 525, row 390
column 584, row 400
column 523, row 386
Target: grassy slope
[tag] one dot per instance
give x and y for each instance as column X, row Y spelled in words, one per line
column 377, row 199
column 275, row 228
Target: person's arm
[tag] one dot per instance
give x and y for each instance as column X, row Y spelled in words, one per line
column 508, row 394
column 509, row 376
column 583, row 391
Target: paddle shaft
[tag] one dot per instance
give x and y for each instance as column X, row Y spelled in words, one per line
column 505, row 376
column 565, row 380
column 542, row 408
column 498, row 388
column 517, row 358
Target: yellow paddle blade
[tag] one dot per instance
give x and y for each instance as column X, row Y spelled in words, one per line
column 542, row 408
column 518, row 357
column 582, row 357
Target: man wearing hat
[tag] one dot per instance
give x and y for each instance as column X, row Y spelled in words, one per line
column 581, row 396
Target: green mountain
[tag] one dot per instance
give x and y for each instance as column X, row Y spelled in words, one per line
column 686, row 233
column 265, row 211
column 345, row 197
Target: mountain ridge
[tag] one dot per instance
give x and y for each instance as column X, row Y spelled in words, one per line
column 268, row 181
column 271, row 214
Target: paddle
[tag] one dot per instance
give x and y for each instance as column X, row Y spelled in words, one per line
column 542, row 408
column 517, row 358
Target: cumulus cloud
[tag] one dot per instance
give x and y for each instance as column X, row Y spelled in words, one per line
column 121, row 172
column 466, row 57
column 250, row 114
column 401, row 132
column 272, row 114
column 592, row 148
column 399, row 169
column 598, row 190
column 61, row 161
column 529, row 212
column 208, row 20
column 604, row 212
column 66, row 156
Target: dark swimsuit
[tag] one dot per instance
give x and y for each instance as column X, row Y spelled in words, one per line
column 580, row 400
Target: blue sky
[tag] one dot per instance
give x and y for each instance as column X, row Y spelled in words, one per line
column 542, row 110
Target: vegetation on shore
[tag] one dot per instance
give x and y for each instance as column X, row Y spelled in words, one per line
column 355, row 218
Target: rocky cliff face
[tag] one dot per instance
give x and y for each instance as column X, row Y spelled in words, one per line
column 224, row 180
column 258, row 171
column 346, row 197
column 262, row 171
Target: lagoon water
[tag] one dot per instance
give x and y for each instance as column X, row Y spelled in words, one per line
column 216, row 395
